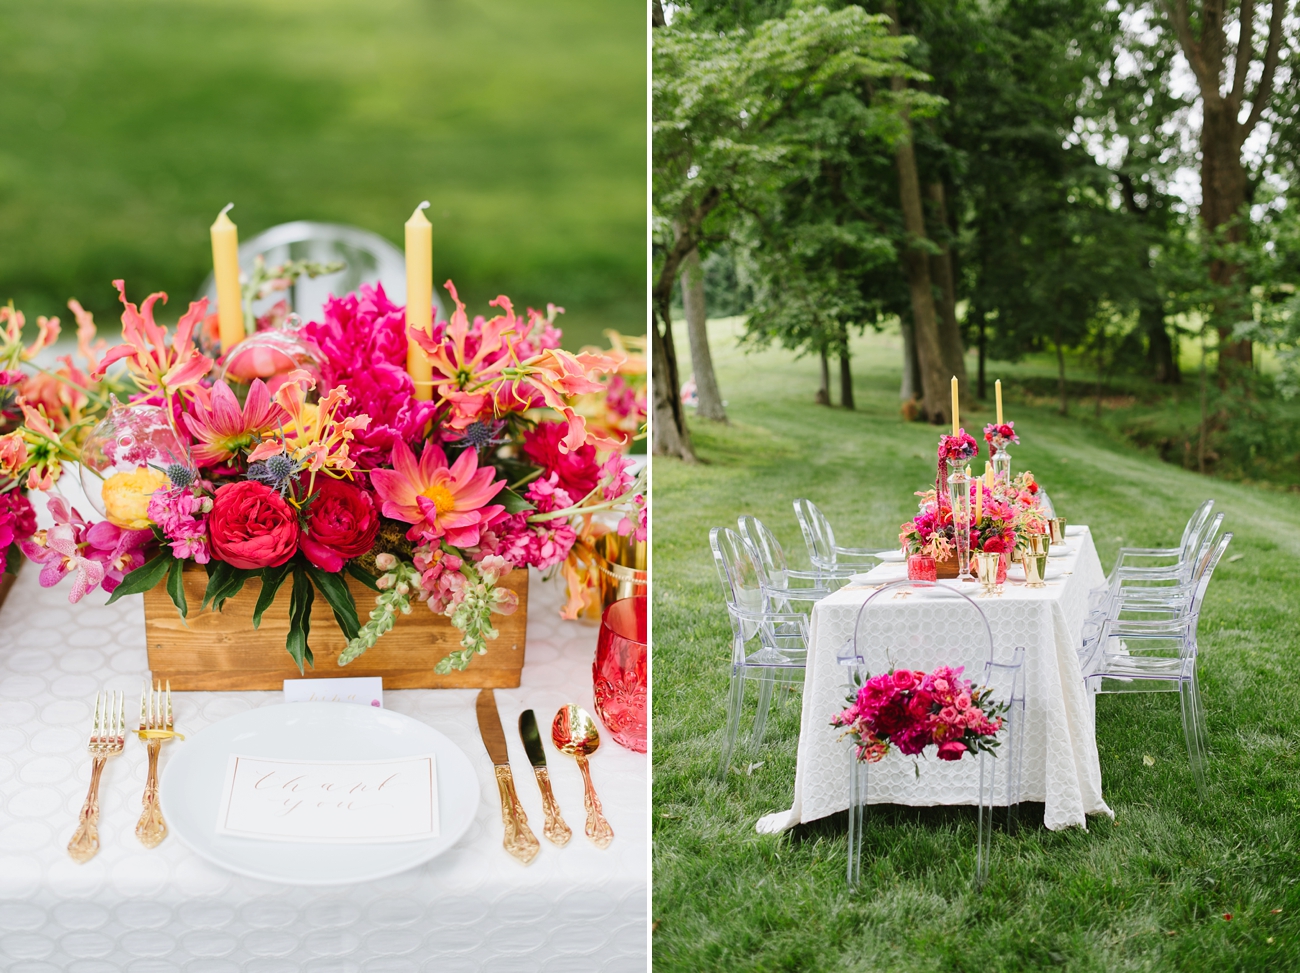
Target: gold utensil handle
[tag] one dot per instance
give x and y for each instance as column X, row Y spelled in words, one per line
column 151, row 829
column 598, row 829
column 519, row 839
column 85, row 840
column 556, row 831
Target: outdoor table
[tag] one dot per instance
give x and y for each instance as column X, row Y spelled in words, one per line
column 134, row 910
column 1060, row 767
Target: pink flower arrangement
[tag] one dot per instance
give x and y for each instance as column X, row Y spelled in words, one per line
column 999, row 437
column 910, row 710
column 957, row 448
column 315, row 457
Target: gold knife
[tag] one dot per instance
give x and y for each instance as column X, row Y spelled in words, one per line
column 556, row 831
column 519, row 840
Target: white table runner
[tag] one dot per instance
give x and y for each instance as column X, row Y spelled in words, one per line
column 130, row 909
column 1060, row 749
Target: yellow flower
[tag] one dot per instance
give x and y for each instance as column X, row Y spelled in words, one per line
column 126, row 496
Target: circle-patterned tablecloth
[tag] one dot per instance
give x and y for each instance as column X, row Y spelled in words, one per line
column 1060, row 768
column 131, row 910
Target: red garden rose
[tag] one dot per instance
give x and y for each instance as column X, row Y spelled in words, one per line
column 251, row 526
column 341, row 524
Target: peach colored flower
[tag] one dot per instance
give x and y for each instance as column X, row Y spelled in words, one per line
column 155, row 363
column 436, row 499
column 222, row 430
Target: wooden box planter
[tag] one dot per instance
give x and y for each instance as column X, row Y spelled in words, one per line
column 222, row 651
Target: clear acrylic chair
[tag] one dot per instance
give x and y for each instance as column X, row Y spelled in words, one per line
column 765, row 644
column 924, row 625
column 785, row 588
column 828, row 558
column 1172, row 584
column 1156, row 652
column 1135, row 559
column 367, row 257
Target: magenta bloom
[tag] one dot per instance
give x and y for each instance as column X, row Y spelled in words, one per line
column 363, row 338
column 436, row 499
column 540, row 545
column 182, row 516
column 221, row 430
column 17, row 523
column 577, row 469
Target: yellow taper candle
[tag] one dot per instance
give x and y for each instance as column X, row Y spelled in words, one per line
column 979, row 502
column 955, row 412
column 997, row 391
column 419, row 297
column 225, row 269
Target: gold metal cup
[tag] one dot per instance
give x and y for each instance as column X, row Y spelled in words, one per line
column 1035, row 570
column 622, row 568
column 986, row 570
column 1057, row 525
column 1038, row 543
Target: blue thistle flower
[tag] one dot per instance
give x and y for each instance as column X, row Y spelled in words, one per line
column 277, row 472
column 180, row 475
column 479, row 434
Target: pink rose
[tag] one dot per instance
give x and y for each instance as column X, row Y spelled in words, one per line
column 251, row 526
column 905, row 679
column 341, row 524
column 952, row 750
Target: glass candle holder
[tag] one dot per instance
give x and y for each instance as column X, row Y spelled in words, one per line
column 1001, row 462
column 922, row 567
column 959, row 495
column 619, row 672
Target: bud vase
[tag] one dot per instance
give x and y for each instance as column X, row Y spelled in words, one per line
column 959, row 494
column 1001, row 461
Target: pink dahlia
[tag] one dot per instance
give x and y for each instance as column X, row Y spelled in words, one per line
column 222, row 431
column 436, row 499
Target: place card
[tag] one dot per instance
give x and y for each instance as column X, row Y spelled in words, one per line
column 366, row 690
column 335, row 802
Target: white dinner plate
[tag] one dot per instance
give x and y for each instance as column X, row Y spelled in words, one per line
column 1074, row 530
column 1016, row 572
column 891, row 556
column 1059, row 550
column 191, row 785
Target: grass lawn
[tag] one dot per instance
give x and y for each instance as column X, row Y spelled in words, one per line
column 1149, row 891
column 128, row 125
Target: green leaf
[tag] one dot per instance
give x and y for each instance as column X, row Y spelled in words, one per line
column 224, row 581
column 336, row 592
column 143, row 578
column 300, row 618
column 272, row 578
column 514, row 503
column 362, row 575
column 176, row 586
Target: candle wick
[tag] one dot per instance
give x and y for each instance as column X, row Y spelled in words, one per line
column 424, row 205
column 226, row 209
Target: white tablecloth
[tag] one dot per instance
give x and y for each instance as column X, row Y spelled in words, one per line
column 1060, row 746
column 131, row 910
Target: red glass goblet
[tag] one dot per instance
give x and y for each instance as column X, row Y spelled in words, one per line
column 619, row 672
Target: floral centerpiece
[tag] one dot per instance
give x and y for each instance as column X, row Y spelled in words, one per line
column 303, row 455
column 1010, row 512
column 954, row 451
column 1000, row 435
column 910, row 710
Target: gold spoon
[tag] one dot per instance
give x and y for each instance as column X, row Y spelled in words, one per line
column 574, row 732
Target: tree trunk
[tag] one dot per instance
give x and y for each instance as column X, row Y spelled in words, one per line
column 671, row 437
column 910, row 387
column 1060, row 370
column 1160, row 348
column 846, row 375
column 1223, row 195
column 941, row 272
column 935, row 376
column 824, row 393
column 706, row 383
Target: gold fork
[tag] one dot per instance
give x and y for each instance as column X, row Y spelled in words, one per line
column 155, row 727
column 107, row 738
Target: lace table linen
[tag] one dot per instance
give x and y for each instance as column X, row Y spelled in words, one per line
column 1060, row 768
column 133, row 910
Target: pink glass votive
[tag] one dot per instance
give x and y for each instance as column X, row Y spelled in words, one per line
column 921, row 567
column 619, row 672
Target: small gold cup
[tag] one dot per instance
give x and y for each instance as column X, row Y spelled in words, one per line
column 1035, row 570
column 622, row 567
column 1038, row 543
column 986, row 570
column 1057, row 525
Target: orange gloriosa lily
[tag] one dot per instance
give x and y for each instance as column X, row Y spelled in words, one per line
column 154, row 364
